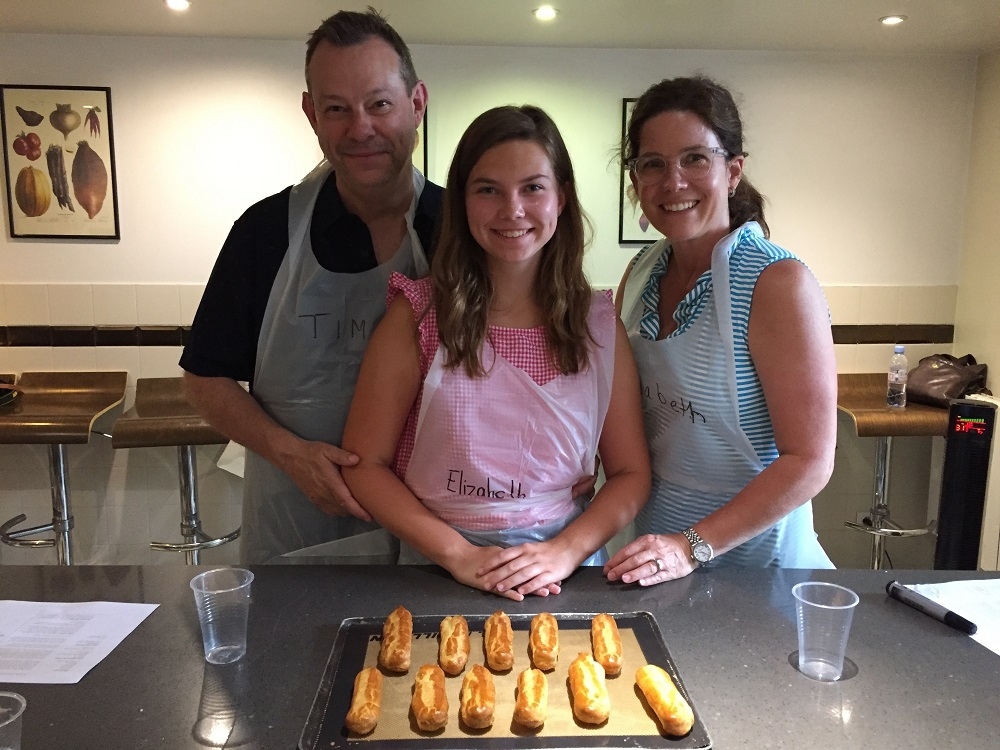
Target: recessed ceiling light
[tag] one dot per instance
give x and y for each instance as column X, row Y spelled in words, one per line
column 891, row 20
column 545, row 13
column 178, row 4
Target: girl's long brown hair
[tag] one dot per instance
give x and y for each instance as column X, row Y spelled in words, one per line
column 462, row 286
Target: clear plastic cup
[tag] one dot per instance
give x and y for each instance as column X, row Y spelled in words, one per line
column 824, row 612
column 222, row 597
column 11, row 712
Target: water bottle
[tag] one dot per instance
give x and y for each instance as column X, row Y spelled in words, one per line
column 895, row 394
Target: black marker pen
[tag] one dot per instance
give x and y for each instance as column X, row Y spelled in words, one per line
column 921, row 603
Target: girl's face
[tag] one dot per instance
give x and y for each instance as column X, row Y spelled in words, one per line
column 684, row 192
column 513, row 203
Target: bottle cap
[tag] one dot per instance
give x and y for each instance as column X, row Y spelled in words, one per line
column 899, row 349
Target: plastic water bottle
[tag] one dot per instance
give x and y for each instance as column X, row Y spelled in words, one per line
column 895, row 394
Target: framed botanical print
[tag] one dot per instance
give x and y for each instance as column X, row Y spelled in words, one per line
column 60, row 161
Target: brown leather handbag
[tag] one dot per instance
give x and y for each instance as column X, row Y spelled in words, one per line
column 939, row 378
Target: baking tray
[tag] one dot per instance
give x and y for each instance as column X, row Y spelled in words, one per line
column 632, row 723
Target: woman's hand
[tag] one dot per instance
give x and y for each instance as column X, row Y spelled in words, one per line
column 653, row 558
column 532, row 568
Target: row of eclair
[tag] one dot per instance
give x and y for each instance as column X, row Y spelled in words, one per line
column 590, row 698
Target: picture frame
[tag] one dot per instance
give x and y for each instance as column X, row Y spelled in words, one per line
column 59, row 162
column 421, row 152
column 633, row 227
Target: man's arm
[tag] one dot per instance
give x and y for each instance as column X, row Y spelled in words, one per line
column 313, row 466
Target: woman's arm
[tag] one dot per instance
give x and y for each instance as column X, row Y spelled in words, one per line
column 625, row 457
column 388, row 384
column 792, row 349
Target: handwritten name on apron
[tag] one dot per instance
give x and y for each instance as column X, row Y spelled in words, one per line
column 678, row 405
column 456, row 483
column 338, row 329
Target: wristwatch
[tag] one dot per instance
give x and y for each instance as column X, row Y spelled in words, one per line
column 701, row 551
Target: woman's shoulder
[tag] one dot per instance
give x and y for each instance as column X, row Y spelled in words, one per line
column 752, row 245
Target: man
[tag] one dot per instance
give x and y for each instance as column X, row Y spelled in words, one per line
column 300, row 283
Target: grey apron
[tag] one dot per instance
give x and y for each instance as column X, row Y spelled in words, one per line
column 316, row 326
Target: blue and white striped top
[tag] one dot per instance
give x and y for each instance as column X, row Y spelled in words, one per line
column 706, row 417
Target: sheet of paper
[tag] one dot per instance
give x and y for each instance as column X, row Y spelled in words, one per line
column 58, row 643
column 976, row 601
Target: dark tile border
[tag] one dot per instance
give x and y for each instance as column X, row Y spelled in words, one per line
column 178, row 335
column 60, row 336
column 915, row 333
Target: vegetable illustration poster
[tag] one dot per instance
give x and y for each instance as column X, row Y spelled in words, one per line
column 60, row 161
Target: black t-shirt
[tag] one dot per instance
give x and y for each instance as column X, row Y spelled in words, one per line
column 226, row 328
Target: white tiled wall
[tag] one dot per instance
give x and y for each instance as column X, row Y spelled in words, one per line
column 123, row 499
column 888, row 305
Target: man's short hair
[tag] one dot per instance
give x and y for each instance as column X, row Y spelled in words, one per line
column 349, row 28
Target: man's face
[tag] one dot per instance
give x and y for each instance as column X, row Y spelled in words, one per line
column 364, row 118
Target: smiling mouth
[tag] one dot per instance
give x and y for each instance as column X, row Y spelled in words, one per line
column 512, row 234
column 680, row 206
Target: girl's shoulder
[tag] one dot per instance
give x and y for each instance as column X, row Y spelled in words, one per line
column 417, row 291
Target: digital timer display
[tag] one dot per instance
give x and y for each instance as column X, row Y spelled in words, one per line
column 975, row 426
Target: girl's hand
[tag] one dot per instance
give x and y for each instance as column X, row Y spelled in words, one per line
column 650, row 559
column 466, row 567
column 533, row 568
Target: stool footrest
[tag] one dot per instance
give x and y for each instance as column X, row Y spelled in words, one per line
column 14, row 538
column 206, row 543
column 890, row 531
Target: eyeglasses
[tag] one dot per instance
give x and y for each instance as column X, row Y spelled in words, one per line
column 695, row 162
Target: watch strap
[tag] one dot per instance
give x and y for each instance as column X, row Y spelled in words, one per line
column 695, row 540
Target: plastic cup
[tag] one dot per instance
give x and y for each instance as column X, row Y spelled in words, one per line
column 222, row 597
column 11, row 710
column 824, row 612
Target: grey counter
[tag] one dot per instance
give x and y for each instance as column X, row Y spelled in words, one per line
column 919, row 683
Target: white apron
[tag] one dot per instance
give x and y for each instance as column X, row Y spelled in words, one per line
column 497, row 456
column 315, row 330
column 700, row 456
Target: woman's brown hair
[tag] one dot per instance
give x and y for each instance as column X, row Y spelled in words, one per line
column 714, row 105
column 462, row 286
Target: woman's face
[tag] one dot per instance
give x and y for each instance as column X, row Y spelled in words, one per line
column 689, row 204
column 513, row 202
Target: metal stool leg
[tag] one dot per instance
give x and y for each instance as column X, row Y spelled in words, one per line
column 195, row 540
column 880, row 504
column 62, row 517
column 190, row 521
column 878, row 523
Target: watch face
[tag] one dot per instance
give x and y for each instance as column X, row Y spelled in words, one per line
column 702, row 553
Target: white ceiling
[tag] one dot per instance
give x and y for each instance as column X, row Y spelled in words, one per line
column 934, row 26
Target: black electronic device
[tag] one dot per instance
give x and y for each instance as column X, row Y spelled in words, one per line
column 963, row 484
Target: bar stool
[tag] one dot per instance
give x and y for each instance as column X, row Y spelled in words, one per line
column 56, row 409
column 862, row 396
column 163, row 416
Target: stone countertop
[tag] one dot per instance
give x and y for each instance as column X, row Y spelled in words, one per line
column 730, row 633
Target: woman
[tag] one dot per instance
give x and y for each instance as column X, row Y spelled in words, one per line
column 487, row 389
column 732, row 340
